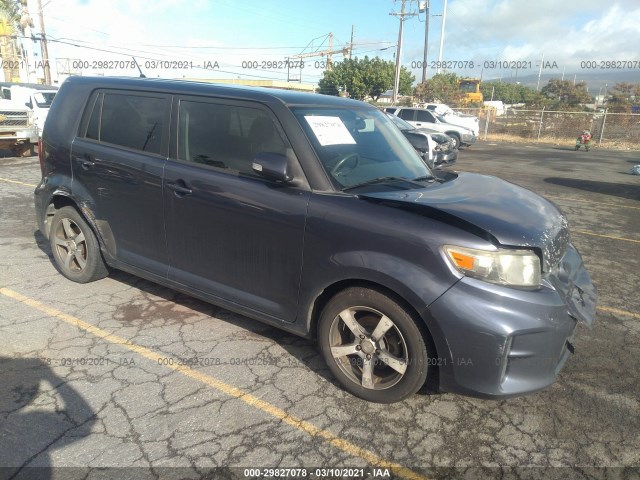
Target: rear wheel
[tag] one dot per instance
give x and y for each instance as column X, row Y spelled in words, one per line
column 75, row 248
column 373, row 345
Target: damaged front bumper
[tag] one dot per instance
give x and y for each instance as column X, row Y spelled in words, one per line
column 502, row 341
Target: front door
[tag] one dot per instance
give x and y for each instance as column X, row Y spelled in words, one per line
column 230, row 232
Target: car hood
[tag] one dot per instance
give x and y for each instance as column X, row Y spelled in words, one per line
column 501, row 212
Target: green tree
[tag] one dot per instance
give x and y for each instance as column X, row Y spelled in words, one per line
column 512, row 93
column 442, row 88
column 622, row 96
column 364, row 78
column 565, row 93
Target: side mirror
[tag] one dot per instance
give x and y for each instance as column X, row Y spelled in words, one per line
column 272, row 165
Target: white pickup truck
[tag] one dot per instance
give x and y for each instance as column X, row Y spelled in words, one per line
column 18, row 129
column 36, row 97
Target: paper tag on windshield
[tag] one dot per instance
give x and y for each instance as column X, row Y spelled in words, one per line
column 329, row 130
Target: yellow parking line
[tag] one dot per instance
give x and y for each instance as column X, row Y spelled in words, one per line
column 619, row 312
column 18, row 182
column 223, row 387
column 605, row 236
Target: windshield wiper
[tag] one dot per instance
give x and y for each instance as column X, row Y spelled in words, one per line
column 380, row 180
column 428, row 178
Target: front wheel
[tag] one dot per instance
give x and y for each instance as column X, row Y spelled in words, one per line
column 75, row 247
column 456, row 140
column 373, row 346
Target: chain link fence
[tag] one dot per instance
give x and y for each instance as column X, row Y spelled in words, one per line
column 607, row 129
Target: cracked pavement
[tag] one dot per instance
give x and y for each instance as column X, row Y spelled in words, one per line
column 70, row 398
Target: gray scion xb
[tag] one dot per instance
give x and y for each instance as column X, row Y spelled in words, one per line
column 315, row 215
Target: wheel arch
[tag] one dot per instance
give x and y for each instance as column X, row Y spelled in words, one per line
column 61, row 199
column 333, row 289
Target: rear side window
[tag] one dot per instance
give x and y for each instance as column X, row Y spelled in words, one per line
column 225, row 136
column 93, row 128
column 132, row 121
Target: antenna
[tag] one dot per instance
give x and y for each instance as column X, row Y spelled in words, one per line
column 142, row 75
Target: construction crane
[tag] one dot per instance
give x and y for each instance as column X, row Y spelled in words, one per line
column 321, row 53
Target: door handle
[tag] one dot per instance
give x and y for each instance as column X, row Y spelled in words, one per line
column 179, row 190
column 85, row 161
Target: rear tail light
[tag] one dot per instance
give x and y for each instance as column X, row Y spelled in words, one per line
column 41, row 156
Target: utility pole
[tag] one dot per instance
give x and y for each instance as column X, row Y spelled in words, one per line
column 351, row 44
column 329, row 61
column 26, row 22
column 424, row 6
column 540, row 73
column 401, row 15
column 444, row 20
column 44, row 47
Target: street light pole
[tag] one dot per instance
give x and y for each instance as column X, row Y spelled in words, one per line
column 444, row 20
column 426, row 38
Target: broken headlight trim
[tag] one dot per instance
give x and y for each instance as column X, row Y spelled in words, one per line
column 514, row 268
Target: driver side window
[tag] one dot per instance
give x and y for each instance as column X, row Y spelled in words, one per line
column 225, row 136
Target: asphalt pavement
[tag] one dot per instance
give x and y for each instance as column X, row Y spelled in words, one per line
column 122, row 377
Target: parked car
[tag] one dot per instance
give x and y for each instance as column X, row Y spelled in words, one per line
column 448, row 115
column 420, row 117
column 314, row 214
column 438, row 149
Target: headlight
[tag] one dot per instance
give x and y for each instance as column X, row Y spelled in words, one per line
column 517, row 268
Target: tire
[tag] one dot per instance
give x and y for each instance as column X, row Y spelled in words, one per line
column 361, row 362
column 456, row 139
column 75, row 248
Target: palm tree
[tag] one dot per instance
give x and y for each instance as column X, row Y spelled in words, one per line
column 9, row 50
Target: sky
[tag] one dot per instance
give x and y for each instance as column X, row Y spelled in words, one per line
column 233, row 39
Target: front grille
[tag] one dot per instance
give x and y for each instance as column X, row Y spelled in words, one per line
column 13, row 119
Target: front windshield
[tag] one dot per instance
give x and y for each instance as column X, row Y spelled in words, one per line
column 359, row 145
column 468, row 87
column 44, row 99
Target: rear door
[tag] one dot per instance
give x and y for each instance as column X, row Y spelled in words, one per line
column 230, row 232
column 118, row 162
